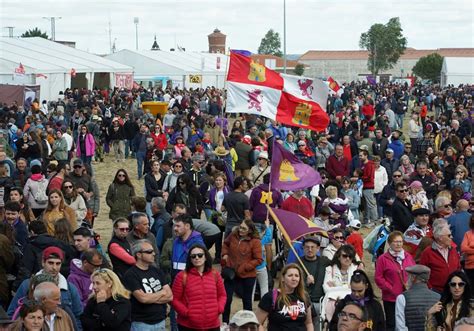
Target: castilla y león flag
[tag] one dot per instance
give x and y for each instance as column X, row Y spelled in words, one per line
column 290, row 100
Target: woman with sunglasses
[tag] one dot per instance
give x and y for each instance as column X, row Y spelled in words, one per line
column 119, row 249
column 453, row 305
column 171, row 180
column 85, row 145
column 288, row 307
column 199, row 291
column 74, row 200
column 337, row 277
column 119, row 195
column 460, row 179
column 186, row 193
column 109, row 306
column 242, row 252
column 363, row 294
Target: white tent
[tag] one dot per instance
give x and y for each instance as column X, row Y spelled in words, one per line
column 56, row 67
column 183, row 68
column 457, row 70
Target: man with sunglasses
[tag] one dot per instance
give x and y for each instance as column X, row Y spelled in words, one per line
column 411, row 306
column 401, row 209
column 387, row 196
column 150, row 291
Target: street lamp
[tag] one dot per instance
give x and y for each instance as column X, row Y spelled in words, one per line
column 135, row 20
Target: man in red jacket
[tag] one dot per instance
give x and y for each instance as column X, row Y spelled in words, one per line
column 337, row 165
column 368, row 177
column 440, row 257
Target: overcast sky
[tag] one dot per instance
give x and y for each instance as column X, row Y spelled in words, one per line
column 311, row 24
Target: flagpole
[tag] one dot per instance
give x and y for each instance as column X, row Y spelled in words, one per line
column 287, row 238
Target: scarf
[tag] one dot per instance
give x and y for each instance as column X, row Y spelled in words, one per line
column 36, row 177
column 399, row 257
column 361, row 302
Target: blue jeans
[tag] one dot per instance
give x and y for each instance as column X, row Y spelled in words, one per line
column 140, row 159
column 139, row 326
column 128, row 151
column 399, row 119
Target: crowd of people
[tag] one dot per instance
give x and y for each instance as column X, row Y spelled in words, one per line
column 196, row 234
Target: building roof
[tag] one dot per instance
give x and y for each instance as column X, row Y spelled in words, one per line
column 410, row 53
column 260, row 58
column 216, row 33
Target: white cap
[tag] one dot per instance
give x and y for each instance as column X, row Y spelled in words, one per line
column 355, row 224
column 243, row 317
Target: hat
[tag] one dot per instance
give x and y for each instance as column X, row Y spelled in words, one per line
column 416, row 184
column 420, row 271
column 399, row 131
column 53, row 252
column 420, row 211
column 355, row 224
column 4, row 319
column 389, row 150
column 35, row 162
column 301, row 143
column 243, row 317
column 95, row 118
column 263, row 155
column 364, row 148
column 311, row 239
column 247, row 139
column 221, row 151
column 77, row 162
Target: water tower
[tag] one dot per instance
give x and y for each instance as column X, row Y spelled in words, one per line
column 216, row 42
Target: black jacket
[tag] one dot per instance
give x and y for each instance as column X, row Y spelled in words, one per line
column 120, row 267
column 401, row 215
column 111, row 315
column 387, row 193
column 130, row 129
column 153, row 187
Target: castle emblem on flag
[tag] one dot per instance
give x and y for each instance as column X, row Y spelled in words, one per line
column 257, row 72
column 255, row 99
column 306, row 87
column 266, row 198
column 287, row 172
column 302, row 114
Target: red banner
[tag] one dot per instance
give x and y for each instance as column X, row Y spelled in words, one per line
column 124, row 80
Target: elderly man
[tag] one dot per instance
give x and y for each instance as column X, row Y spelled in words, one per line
column 389, row 162
column 337, row 165
column 141, row 230
column 443, row 208
column 298, row 203
column 459, row 221
column 440, row 257
column 417, row 231
column 55, row 318
column 423, row 175
column 160, row 218
column 411, row 306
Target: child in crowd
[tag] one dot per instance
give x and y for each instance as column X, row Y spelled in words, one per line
column 355, row 238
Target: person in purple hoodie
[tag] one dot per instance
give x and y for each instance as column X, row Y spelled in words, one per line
column 81, row 271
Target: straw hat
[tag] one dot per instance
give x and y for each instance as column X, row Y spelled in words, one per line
column 221, row 151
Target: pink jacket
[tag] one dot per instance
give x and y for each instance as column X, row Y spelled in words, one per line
column 90, row 146
column 390, row 276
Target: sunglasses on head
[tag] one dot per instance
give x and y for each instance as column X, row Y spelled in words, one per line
column 197, row 255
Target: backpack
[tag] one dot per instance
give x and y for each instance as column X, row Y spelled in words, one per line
column 40, row 196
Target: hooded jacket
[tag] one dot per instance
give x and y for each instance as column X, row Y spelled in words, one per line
column 32, row 186
column 80, row 279
column 180, row 251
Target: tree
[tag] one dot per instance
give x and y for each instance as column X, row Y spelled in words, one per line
column 270, row 44
column 35, row 33
column 299, row 69
column 429, row 67
column 385, row 44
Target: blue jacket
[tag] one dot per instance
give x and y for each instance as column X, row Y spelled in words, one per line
column 69, row 298
column 181, row 250
column 459, row 223
column 398, row 148
column 21, row 233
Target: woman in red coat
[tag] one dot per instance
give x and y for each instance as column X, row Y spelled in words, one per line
column 159, row 137
column 199, row 295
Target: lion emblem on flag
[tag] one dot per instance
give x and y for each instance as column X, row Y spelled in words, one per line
column 306, row 87
column 255, row 99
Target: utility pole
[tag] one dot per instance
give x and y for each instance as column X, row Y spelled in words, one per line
column 53, row 25
column 135, row 20
column 10, row 31
column 284, row 36
column 110, row 36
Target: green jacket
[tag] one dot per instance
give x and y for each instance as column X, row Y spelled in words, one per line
column 118, row 199
column 60, row 149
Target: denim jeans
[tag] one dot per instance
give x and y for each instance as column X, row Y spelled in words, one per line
column 399, row 119
column 140, row 160
column 128, row 150
column 246, row 286
column 139, row 326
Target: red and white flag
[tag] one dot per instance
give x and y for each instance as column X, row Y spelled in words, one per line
column 290, row 100
column 334, row 86
column 41, row 76
column 20, row 70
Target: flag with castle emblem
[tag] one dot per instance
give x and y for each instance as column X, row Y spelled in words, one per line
column 289, row 173
column 291, row 100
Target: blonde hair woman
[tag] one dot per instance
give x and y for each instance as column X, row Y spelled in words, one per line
column 109, row 305
column 461, row 180
column 57, row 209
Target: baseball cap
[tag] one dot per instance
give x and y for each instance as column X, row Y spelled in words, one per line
column 355, row 224
column 243, row 317
column 419, row 270
column 53, row 252
column 389, row 150
column 364, row 148
column 311, row 239
column 78, row 162
column 301, row 143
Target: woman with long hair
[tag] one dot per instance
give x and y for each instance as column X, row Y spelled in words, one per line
column 461, row 180
column 74, row 200
column 186, row 193
column 289, row 306
column 453, row 305
column 199, row 291
column 119, row 195
column 31, row 317
column 64, row 233
column 57, row 209
column 154, row 184
column 242, row 252
column 119, row 248
column 170, row 181
column 109, row 306
column 26, row 213
column 85, row 145
column 390, row 274
column 362, row 292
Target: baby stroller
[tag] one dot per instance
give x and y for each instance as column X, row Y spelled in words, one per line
column 327, row 305
column 374, row 242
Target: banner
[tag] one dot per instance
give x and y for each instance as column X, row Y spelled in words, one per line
column 124, row 80
column 195, row 79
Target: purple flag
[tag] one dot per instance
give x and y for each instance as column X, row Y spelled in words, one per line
column 371, row 80
column 294, row 226
column 290, row 173
column 241, row 52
